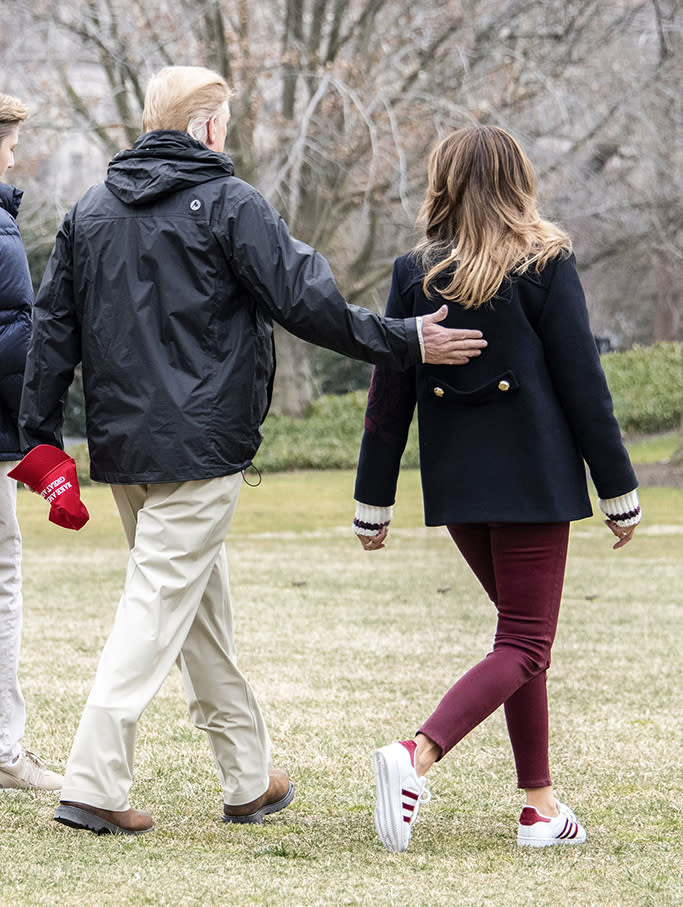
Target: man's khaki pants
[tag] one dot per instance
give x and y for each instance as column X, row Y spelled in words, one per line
column 12, row 708
column 175, row 607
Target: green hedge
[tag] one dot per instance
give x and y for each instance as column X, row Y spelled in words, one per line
column 327, row 438
column 646, row 384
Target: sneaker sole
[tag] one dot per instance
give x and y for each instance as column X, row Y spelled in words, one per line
column 13, row 784
column 257, row 817
column 387, row 816
column 548, row 842
column 82, row 819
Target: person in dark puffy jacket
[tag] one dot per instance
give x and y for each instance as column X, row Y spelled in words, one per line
column 19, row 768
column 165, row 281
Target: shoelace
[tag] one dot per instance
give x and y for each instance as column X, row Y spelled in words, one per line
column 411, row 801
column 32, row 756
column 566, row 812
column 425, row 793
column 34, row 769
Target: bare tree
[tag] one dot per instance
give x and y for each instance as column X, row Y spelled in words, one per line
column 338, row 102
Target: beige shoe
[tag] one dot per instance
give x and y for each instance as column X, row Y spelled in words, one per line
column 28, row 772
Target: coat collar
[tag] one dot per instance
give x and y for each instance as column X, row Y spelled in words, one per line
column 10, row 198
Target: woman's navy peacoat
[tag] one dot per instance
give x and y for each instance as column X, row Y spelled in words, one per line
column 503, row 438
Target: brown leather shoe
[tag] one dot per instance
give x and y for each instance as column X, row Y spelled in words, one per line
column 280, row 793
column 103, row 821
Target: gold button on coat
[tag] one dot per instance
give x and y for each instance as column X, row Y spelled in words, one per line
column 438, row 392
column 503, row 385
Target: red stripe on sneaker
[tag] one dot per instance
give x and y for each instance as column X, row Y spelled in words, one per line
column 570, row 830
column 408, row 804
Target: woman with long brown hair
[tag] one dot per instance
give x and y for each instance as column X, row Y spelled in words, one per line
column 503, row 448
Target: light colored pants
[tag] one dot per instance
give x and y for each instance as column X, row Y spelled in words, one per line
column 175, row 606
column 12, row 709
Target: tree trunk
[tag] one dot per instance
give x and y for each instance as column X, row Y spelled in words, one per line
column 668, row 320
column 293, row 389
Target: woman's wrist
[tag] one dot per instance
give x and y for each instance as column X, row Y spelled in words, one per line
column 369, row 519
column 623, row 510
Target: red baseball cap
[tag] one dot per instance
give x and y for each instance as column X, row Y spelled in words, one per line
column 37, row 464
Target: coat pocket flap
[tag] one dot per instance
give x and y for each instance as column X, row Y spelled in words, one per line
column 496, row 387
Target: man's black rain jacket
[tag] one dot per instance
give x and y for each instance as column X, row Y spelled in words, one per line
column 165, row 281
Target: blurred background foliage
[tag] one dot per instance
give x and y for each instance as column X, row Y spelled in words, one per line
column 647, row 386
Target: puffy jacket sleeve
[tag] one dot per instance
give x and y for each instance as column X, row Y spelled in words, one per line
column 579, row 381
column 391, row 404
column 55, row 348
column 296, row 286
column 16, row 300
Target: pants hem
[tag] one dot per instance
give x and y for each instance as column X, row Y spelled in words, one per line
column 92, row 798
column 232, row 798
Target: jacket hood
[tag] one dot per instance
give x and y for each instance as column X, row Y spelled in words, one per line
column 10, row 198
column 161, row 163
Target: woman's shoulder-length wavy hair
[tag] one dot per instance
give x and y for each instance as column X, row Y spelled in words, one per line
column 480, row 215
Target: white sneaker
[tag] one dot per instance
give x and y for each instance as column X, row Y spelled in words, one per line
column 536, row 830
column 28, row 772
column 399, row 793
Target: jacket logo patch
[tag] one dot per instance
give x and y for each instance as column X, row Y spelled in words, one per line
column 195, row 204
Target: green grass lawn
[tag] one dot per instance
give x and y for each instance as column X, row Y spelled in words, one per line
column 653, row 448
column 347, row 651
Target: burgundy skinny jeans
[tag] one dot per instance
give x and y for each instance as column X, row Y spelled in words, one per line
column 521, row 567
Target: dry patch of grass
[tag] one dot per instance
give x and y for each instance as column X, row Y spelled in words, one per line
column 348, row 651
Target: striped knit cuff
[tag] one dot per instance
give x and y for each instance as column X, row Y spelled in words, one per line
column 624, row 510
column 370, row 520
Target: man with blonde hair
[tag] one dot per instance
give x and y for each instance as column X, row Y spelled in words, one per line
column 19, row 768
column 165, row 282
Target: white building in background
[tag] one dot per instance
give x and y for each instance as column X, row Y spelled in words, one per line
column 58, row 157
